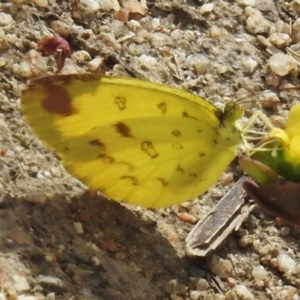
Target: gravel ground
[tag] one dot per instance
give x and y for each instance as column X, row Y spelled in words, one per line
column 60, row 241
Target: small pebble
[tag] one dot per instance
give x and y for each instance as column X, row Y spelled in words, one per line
column 159, row 39
column 51, row 283
column 286, row 294
column 286, row 264
column 27, row 297
column 195, row 295
column 2, row 296
column 36, row 197
column 202, row 285
column 284, row 231
column 199, row 62
column 23, row 69
column 259, row 273
column 20, row 284
column 296, row 30
column 78, row 227
column 246, row 2
column 282, row 64
column 147, row 62
column 249, row 65
column 60, row 28
column 5, row 19
column 282, row 27
column 186, row 217
column 206, row 8
column 239, row 292
column 220, row 267
column 295, row 5
column 89, row 6
column 174, row 287
column 110, row 40
column 41, row 3
column 280, row 40
column 256, row 23
column 108, row 5
column 81, row 56
column 155, row 23
column 95, row 64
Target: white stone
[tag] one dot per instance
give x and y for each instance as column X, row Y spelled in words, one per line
column 282, row 64
column 95, row 63
column 195, row 295
column 89, row 6
column 107, row 5
column 286, row 264
column 147, row 61
column 5, row 19
column 78, row 227
column 243, row 293
column 220, row 267
column 259, row 273
column 41, row 3
column 81, row 56
column 256, row 23
column 246, row 2
column 206, row 8
column 280, row 40
column 20, row 284
column 249, row 64
column 199, row 62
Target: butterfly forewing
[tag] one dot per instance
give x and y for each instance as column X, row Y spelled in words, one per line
column 138, row 142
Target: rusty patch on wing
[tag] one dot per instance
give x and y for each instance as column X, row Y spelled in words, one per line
column 57, row 99
column 123, row 129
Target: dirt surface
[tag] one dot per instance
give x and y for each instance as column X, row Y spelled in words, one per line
column 60, row 241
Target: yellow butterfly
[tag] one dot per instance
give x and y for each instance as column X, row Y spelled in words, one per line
column 134, row 141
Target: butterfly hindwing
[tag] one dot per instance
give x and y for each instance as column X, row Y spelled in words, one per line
column 138, row 142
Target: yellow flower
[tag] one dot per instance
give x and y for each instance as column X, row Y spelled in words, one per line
column 290, row 137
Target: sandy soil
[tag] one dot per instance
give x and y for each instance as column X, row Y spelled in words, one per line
column 126, row 252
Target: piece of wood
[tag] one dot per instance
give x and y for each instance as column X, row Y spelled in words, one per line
column 225, row 217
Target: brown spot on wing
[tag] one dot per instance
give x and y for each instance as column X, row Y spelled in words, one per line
column 128, row 165
column 132, row 179
column 57, row 99
column 193, row 175
column 163, row 181
column 162, row 107
column 185, row 114
column 120, row 102
column 123, row 129
column 176, row 132
column 98, row 143
column 180, row 169
column 148, row 148
column 108, row 159
column 201, row 154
